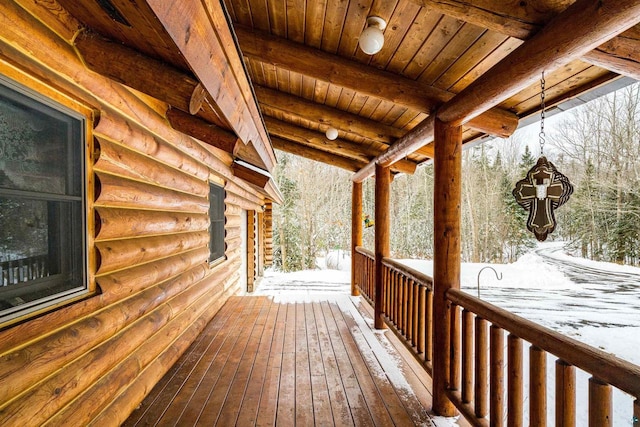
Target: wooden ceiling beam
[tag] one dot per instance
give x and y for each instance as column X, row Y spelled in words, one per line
column 328, row 116
column 338, row 146
column 325, row 115
column 418, row 137
column 579, row 29
column 317, row 155
column 136, row 70
column 524, row 19
column 203, row 130
column 362, row 78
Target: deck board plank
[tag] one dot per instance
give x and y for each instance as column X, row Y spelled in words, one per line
column 269, row 362
column 321, row 403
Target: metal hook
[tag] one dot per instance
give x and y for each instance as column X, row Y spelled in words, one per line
column 498, row 276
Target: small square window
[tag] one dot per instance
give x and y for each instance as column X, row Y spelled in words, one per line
column 216, row 216
column 42, row 204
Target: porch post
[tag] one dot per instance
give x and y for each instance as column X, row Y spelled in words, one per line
column 356, row 231
column 383, row 181
column 446, row 260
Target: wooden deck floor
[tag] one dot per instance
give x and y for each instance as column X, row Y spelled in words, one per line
column 311, row 362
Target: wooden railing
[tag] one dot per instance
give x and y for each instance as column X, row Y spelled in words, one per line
column 407, row 302
column 486, row 377
column 477, row 369
column 22, row 270
column 365, row 271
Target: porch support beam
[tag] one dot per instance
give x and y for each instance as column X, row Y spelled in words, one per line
column 356, row 231
column 338, row 146
column 524, row 20
column 203, row 130
column 582, row 27
column 382, row 189
column 361, row 78
column 418, row 137
column 446, row 260
column 317, row 155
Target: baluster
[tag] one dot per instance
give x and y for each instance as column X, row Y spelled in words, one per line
column 402, row 303
column 389, row 294
column 537, row 387
column 636, row 413
column 428, row 327
column 421, row 317
column 467, row 356
column 565, row 394
column 411, row 314
column 497, row 377
column 514, row 382
column 398, row 301
column 600, row 404
column 481, row 401
column 416, row 303
column 454, row 331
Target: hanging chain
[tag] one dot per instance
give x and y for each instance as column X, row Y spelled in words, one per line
column 542, row 107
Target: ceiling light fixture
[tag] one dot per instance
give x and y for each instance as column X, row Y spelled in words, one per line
column 371, row 40
column 331, row 133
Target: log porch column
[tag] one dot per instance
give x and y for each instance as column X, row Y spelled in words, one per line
column 383, row 181
column 356, row 231
column 446, row 260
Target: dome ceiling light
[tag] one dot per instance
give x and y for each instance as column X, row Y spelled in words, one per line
column 372, row 39
column 331, row 133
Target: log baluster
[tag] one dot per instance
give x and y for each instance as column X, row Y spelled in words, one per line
column 467, row 356
column 565, row 394
column 497, row 376
column 600, row 404
column 416, row 319
column 422, row 318
column 636, row 413
column 454, row 366
column 428, row 327
column 481, row 395
column 514, row 382
column 537, row 387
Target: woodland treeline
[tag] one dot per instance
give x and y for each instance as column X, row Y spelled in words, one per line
column 596, row 146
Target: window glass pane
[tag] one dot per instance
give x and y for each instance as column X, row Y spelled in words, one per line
column 216, row 216
column 42, row 256
column 35, row 154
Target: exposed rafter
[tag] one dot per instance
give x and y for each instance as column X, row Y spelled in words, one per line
column 136, row 70
column 317, row 155
column 580, row 28
column 329, row 116
column 577, row 30
column 361, row 78
column 338, row 147
column 203, row 130
column 524, row 19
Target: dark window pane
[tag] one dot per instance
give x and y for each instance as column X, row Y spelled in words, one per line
column 41, row 203
column 216, row 215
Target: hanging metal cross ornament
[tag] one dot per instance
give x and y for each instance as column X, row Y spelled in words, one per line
column 543, row 189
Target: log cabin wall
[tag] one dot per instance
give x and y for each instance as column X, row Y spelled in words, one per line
column 93, row 361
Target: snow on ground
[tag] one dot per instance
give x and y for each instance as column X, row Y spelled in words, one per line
column 593, row 302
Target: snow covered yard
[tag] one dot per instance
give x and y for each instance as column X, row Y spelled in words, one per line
column 596, row 303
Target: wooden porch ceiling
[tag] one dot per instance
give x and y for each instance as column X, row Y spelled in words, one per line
column 260, row 362
column 304, row 60
column 307, row 73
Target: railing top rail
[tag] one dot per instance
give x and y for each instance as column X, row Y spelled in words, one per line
column 415, row 275
column 366, row 252
column 606, row 367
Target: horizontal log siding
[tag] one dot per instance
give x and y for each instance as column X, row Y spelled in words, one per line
column 92, row 362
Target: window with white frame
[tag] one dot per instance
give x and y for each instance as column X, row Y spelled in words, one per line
column 42, row 202
column 216, row 228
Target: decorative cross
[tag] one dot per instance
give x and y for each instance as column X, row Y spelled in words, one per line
column 542, row 190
